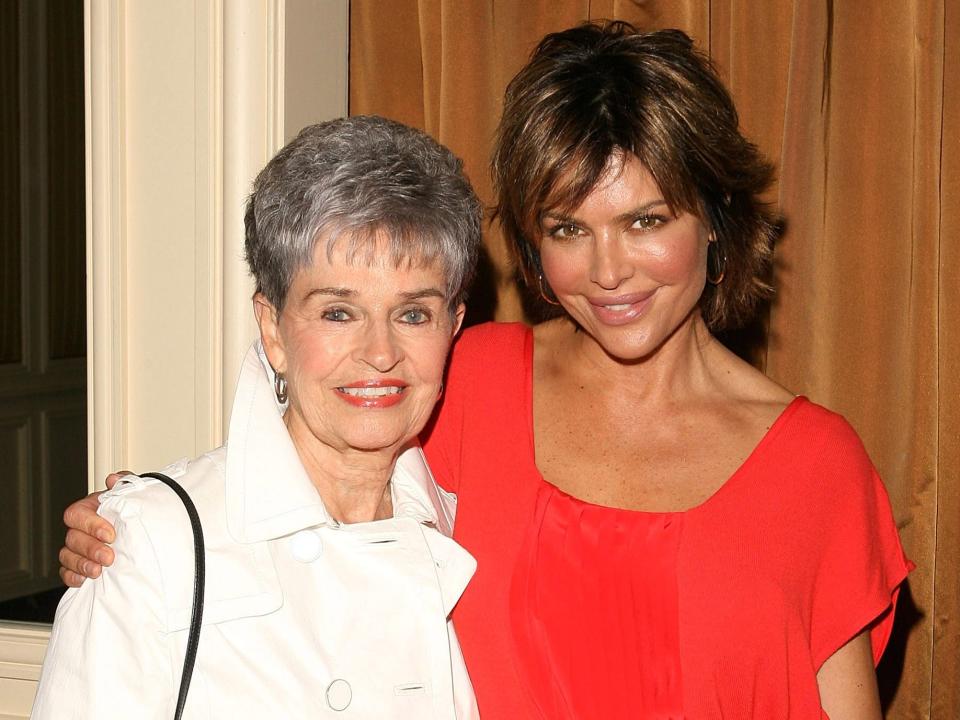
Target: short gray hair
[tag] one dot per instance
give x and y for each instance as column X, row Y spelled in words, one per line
column 355, row 178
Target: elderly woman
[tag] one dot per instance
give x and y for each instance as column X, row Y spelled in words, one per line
column 330, row 569
column 661, row 531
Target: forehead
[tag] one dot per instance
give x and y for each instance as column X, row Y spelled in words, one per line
column 370, row 261
column 624, row 181
column 625, row 172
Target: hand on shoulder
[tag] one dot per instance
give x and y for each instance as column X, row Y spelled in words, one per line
column 86, row 549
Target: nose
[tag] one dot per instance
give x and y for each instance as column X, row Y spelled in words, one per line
column 379, row 348
column 609, row 265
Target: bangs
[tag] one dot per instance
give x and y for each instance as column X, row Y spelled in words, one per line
column 569, row 167
column 405, row 244
column 578, row 152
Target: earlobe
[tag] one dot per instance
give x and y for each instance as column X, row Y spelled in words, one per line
column 268, row 320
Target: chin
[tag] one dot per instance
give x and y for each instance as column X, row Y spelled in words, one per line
column 374, row 441
column 633, row 343
column 630, row 352
column 373, row 446
column 626, row 344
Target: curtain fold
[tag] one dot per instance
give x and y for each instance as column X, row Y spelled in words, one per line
column 944, row 603
column 859, row 105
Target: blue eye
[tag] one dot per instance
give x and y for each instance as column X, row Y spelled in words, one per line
column 336, row 315
column 416, row 316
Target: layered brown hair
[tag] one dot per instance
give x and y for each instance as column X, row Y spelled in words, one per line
column 597, row 90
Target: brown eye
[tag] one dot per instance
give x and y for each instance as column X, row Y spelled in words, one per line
column 566, row 230
column 648, row 222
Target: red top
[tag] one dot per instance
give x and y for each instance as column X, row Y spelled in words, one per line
column 726, row 610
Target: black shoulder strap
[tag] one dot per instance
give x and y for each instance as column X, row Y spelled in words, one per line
column 196, row 614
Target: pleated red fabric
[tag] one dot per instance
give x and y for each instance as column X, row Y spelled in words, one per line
column 596, row 622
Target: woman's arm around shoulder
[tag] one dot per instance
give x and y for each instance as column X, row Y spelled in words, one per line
column 86, row 551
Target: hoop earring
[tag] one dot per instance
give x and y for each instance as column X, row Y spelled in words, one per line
column 716, row 262
column 280, row 387
column 543, row 293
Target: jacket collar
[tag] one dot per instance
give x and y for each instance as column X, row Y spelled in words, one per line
column 268, row 491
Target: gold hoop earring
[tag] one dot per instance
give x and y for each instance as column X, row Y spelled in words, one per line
column 280, row 387
column 543, row 292
column 716, row 262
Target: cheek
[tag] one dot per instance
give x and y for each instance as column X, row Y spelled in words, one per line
column 563, row 268
column 676, row 260
column 309, row 360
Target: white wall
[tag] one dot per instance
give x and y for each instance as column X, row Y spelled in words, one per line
column 187, row 99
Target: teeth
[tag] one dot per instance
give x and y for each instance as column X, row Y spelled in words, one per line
column 616, row 308
column 372, row 391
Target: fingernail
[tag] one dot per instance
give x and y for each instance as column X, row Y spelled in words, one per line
column 100, row 556
column 85, row 568
column 103, row 535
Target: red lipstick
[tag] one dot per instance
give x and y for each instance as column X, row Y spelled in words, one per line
column 380, row 393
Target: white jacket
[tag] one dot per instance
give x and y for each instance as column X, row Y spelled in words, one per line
column 303, row 618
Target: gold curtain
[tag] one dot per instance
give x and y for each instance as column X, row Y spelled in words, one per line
column 860, row 105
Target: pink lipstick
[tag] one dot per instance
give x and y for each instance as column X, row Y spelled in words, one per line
column 621, row 309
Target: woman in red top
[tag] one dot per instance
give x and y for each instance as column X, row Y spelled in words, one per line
column 661, row 530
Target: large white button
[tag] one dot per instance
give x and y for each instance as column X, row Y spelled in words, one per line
column 339, row 695
column 306, row 546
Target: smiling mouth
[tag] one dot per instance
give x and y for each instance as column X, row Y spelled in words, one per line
column 623, row 309
column 371, row 392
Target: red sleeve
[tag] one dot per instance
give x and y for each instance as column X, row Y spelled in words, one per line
column 862, row 564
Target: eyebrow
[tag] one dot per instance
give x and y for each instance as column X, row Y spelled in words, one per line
column 344, row 292
column 428, row 292
column 340, row 292
column 629, row 215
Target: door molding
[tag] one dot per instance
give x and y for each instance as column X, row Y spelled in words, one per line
column 104, row 62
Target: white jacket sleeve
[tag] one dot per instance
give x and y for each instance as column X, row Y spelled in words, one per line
column 109, row 656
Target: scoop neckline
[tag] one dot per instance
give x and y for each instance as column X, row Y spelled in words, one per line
column 765, row 440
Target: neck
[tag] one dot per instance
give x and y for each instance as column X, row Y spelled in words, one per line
column 679, row 366
column 353, row 484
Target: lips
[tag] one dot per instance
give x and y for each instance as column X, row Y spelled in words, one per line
column 621, row 309
column 373, row 393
